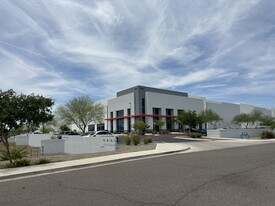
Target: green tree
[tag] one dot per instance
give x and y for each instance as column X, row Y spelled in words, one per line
column 140, row 126
column 36, row 110
column 255, row 115
column 248, row 118
column 158, row 124
column 17, row 110
column 268, row 121
column 64, row 128
column 48, row 126
column 189, row 118
column 242, row 118
column 210, row 117
column 81, row 111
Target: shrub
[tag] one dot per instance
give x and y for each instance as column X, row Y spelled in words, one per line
column 3, row 155
column 42, row 161
column 17, row 152
column 136, row 139
column 19, row 163
column 267, row 135
column 166, row 132
column 128, row 140
column 195, row 135
column 147, row 140
column 47, row 130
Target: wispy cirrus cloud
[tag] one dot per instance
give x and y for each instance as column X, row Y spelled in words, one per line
column 222, row 50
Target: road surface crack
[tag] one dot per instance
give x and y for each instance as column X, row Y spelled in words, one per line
column 220, row 178
column 141, row 203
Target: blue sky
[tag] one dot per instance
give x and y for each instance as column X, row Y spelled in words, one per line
column 219, row 49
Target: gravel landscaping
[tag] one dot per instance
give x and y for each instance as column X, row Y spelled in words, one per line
column 121, row 148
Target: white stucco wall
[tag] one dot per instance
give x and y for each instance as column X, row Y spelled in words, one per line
column 121, row 103
column 235, row 133
column 33, row 140
column 246, row 108
column 168, row 101
column 89, row 145
column 22, row 140
column 53, row 146
column 265, row 111
column 79, row 145
column 165, row 101
column 227, row 112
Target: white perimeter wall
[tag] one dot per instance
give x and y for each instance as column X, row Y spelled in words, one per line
column 33, row 140
column 235, row 133
column 53, row 146
column 79, row 145
column 68, row 144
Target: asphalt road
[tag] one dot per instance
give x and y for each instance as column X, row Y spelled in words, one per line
column 234, row 176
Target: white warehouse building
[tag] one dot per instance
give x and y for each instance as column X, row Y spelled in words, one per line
column 150, row 104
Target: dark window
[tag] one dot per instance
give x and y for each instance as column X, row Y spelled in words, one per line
column 112, row 121
column 103, row 133
column 169, row 120
column 112, row 125
column 100, row 127
column 156, row 111
column 180, row 125
column 129, row 124
column 143, row 119
column 120, row 113
column 91, row 127
column 129, row 119
column 180, row 110
column 120, row 125
column 169, row 112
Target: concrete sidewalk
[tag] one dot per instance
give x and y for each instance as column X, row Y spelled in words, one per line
column 161, row 148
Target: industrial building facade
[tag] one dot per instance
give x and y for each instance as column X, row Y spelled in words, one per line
column 151, row 104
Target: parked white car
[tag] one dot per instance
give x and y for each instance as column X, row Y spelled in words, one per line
column 101, row 133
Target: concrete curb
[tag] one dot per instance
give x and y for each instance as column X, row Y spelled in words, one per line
column 47, row 167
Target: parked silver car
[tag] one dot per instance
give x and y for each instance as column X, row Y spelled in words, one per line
column 101, row 133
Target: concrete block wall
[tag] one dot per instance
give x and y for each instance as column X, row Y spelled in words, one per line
column 22, row 140
column 235, row 133
column 33, row 140
column 53, row 146
column 79, row 145
column 89, row 145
